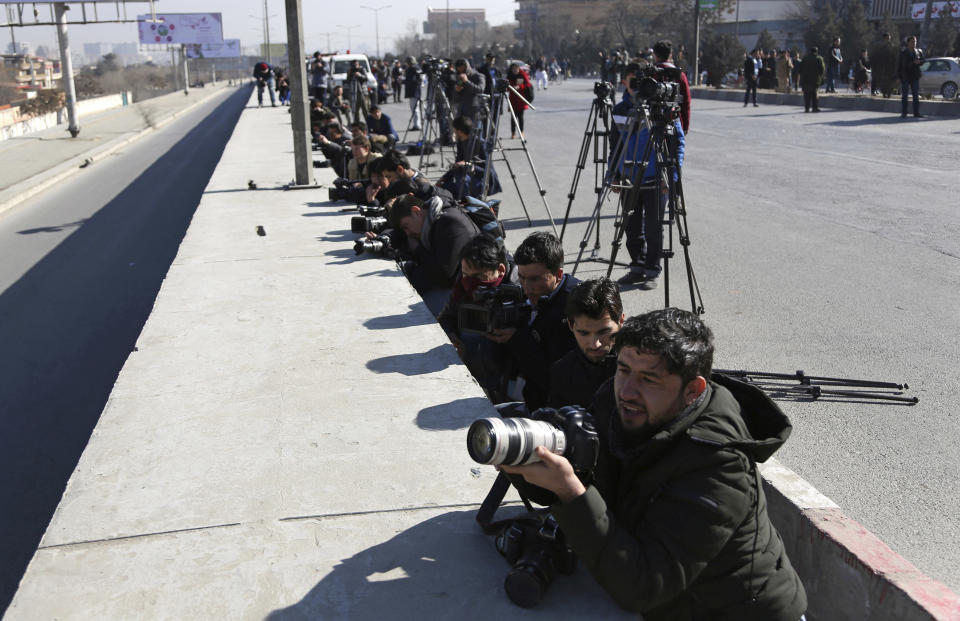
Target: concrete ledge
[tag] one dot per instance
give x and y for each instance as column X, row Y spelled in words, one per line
column 837, row 102
column 848, row 573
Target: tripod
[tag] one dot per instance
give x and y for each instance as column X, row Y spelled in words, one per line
column 599, row 111
column 418, row 114
column 436, row 121
column 660, row 150
column 494, row 144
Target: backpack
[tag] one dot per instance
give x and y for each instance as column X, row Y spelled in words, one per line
column 528, row 93
column 484, row 215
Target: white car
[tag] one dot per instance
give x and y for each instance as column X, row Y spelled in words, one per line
column 339, row 64
column 940, row 75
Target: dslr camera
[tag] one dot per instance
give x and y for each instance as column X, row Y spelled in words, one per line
column 657, row 85
column 343, row 189
column 492, row 308
column 603, row 90
column 537, row 552
column 379, row 246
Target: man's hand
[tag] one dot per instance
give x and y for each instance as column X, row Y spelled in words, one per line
column 371, row 192
column 501, row 335
column 323, row 139
column 552, row 472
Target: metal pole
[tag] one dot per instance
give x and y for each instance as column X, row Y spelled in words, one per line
column 186, row 75
column 66, row 68
column 376, row 20
column 736, row 28
column 696, row 42
column 266, row 32
column 173, row 67
column 299, row 103
column 448, row 28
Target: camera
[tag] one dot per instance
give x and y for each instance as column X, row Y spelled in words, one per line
column 500, row 85
column 343, row 190
column 434, row 65
column 603, row 90
column 568, row 431
column 379, row 246
column 363, row 224
column 657, row 84
column 491, row 308
column 372, row 212
column 537, row 551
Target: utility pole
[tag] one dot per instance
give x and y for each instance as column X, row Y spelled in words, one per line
column 299, row 103
column 696, row 42
column 186, row 76
column 66, row 67
column 348, row 29
column 376, row 20
column 329, row 49
column 266, row 33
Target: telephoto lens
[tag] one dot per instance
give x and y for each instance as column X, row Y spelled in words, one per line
column 512, row 441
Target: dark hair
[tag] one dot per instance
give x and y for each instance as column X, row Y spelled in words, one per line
column 463, row 123
column 393, row 159
column 335, row 127
column 399, row 187
column 594, row 299
column 633, row 68
column 361, row 141
column 403, row 208
column 679, row 336
column 484, row 252
column 814, row 50
column 543, row 248
column 663, row 49
column 374, row 108
column 359, row 125
column 375, row 166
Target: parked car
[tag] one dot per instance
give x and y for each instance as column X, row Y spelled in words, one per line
column 339, row 64
column 941, row 75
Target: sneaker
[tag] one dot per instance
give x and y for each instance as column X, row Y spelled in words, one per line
column 903, row 116
column 632, row 278
column 649, row 283
column 756, row 105
column 919, row 116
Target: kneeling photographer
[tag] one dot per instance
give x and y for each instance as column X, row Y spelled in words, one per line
column 466, row 174
column 360, row 178
column 537, row 344
column 486, row 296
column 673, row 523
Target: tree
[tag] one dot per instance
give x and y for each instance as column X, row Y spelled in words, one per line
column 107, row 64
column 722, row 53
column 855, row 31
column 943, row 37
column 765, row 41
column 822, row 28
column 47, row 100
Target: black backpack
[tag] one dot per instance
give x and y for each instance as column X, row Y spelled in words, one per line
column 484, row 215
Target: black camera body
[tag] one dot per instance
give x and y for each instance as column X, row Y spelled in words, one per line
column 500, row 85
column 363, row 224
column 343, row 190
column 372, row 212
column 434, row 65
column 537, row 552
column 603, row 90
column 657, row 85
column 380, row 246
column 492, row 308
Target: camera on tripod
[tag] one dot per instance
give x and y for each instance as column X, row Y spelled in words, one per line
column 537, row 552
column 434, row 65
column 657, row 84
column 343, row 190
column 379, row 246
column 364, row 224
column 492, row 308
column 500, row 85
column 603, row 90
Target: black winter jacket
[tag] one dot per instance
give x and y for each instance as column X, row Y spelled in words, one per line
column 574, row 379
column 677, row 528
column 438, row 255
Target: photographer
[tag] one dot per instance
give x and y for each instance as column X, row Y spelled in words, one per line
column 484, row 262
column 381, row 128
column 663, row 58
column 644, row 204
column 339, row 105
column 412, row 80
column 468, row 86
column 318, row 78
column 356, row 85
column 336, row 147
column 594, row 314
column 674, row 522
column 397, row 167
column 465, row 176
column 364, row 190
column 520, row 81
column 263, row 74
column 546, row 339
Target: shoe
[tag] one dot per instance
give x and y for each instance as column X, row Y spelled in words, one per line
column 756, row 105
column 513, row 136
column 632, row 278
column 415, row 128
column 919, row 116
column 816, row 109
column 903, row 116
column 806, row 109
column 744, row 105
column 649, row 283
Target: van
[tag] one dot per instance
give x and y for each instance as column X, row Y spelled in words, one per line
column 339, row 64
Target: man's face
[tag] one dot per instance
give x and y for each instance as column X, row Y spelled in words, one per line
column 378, row 180
column 469, row 270
column 461, row 136
column 626, row 82
column 460, row 68
column 537, row 280
column 595, row 336
column 360, row 152
column 648, row 396
column 377, row 114
column 912, row 43
column 391, row 176
column 412, row 225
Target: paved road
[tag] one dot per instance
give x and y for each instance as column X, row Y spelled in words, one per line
column 80, row 267
column 829, row 243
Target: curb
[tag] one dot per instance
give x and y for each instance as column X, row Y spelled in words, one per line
column 851, row 102
column 22, row 190
column 847, row 571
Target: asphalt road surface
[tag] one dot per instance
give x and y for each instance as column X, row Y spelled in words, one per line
column 825, row 242
column 80, row 267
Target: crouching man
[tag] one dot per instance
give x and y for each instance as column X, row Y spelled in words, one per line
column 674, row 522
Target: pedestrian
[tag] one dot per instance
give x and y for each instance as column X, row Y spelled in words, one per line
column 318, row 78
column 883, row 59
column 751, row 73
column 833, row 66
column 540, row 72
column 861, row 72
column 795, row 73
column 264, row 77
column 811, row 77
column 520, row 81
column 784, row 69
column 396, row 80
column 908, row 70
column 412, row 80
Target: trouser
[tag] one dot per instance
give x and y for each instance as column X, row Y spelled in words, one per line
column 645, row 228
column 810, row 99
column 831, row 79
column 415, row 111
column 915, row 86
column 513, row 124
column 269, row 85
column 751, row 88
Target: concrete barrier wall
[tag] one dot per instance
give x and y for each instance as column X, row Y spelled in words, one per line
column 12, row 124
column 841, row 102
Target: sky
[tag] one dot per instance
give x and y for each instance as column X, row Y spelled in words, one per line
column 243, row 19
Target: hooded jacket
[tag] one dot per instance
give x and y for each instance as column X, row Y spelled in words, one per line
column 465, row 94
column 677, row 527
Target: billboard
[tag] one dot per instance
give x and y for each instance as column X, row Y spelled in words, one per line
column 919, row 10
column 177, row 28
column 230, row 48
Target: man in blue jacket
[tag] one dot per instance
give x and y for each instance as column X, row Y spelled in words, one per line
column 645, row 203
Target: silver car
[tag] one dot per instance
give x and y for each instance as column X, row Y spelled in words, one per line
column 940, row 75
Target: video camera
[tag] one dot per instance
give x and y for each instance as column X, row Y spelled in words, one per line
column 603, row 90
column 379, row 246
column 500, row 85
column 657, row 85
column 364, row 224
column 344, row 190
column 491, row 308
column 434, row 65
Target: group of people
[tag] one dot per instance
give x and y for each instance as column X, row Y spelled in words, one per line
column 672, row 520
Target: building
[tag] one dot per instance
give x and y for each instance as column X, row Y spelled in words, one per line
column 32, row 72
column 463, row 20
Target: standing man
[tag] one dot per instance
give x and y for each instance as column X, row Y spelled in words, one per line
column 908, row 70
column 833, row 66
column 811, row 76
column 467, row 88
column 263, row 74
column 784, row 69
column 883, row 56
column 673, row 523
column 412, row 79
column 663, row 57
column 318, row 78
column 751, row 73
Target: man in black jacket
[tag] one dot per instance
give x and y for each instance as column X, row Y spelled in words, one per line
column 594, row 314
column 546, row 339
column 412, row 80
column 908, row 71
column 397, row 167
column 673, row 523
column 467, row 88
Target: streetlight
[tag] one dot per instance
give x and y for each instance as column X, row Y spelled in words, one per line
column 348, row 29
column 376, row 19
column 329, row 49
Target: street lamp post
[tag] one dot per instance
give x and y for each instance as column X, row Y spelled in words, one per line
column 348, row 29
column 376, row 19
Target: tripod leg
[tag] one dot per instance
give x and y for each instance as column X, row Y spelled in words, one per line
column 581, row 164
column 513, row 177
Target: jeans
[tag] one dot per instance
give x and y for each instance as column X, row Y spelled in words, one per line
column 832, row 79
column 751, row 88
column 645, row 229
column 913, row 84
column 269, row 85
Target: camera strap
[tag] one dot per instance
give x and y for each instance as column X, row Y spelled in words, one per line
column 492, row 502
